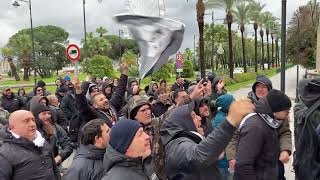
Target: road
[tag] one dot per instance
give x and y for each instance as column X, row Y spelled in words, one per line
column 290, row 90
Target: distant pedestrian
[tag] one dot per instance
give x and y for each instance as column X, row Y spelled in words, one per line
column 9, row 101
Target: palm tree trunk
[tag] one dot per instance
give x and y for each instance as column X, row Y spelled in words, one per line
column 13, row 69
column 277, row 53
column 200, row 15
column 255, row 26
column 262, row 49
column 243, row 50
column 268, row 49
column 272, row 51
column 25, row 65
column 229, row 21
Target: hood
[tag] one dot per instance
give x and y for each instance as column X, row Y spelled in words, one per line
column 262, row 106
column 113, row 157
column 223, row 102
column 263, row 80
column 90, row 152
column 35, row 100
column 136, row 102
column 180, row 120
column 309, row 91
column 197, row 104
column 36, row 108
column 88, row 91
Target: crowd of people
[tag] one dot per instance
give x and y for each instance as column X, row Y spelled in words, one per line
column 185, row 131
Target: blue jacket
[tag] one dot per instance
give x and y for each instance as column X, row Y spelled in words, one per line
column 223, row 103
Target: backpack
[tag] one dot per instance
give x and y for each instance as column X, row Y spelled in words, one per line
column 307, row 155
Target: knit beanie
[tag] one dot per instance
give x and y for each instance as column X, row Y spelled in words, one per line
column 278, row 101
column 67, row 78
column 122, row 133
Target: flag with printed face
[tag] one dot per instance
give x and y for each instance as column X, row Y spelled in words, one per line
column 158, row 39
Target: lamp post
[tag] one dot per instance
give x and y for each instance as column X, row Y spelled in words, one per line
column 283, row 44
column 16, row 4
column 298, row 56
column 85, row 29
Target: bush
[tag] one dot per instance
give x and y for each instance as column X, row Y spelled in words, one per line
column 133, row 71
column 163, row 73
column 188, row 71
column 98, row 66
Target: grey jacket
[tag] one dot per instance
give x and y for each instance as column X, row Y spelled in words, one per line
column 87, row 164
column 120, row 167
column 189, row 157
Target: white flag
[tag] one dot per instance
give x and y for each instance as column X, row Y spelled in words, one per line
column 158, row 39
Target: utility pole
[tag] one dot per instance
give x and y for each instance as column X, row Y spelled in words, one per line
column 283, row 45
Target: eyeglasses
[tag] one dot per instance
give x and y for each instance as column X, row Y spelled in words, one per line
column 38, row 90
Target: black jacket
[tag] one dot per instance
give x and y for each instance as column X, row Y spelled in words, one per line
column 21, row 159
column 110, row 115
column 259, row 147
column 68, row 105
column 87, row 164
column 59, row 116
column 11, row 104
column 187, row 156
column 159, row 108
column 118, row 166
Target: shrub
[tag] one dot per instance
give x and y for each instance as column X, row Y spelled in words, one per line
column 134, row 71
column 98, row 66
column 163, row 73
column 188, row 71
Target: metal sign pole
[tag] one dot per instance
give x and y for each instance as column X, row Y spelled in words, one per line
column 76, row 68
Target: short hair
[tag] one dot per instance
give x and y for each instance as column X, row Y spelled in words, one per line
column 50, row 98
column 93, row 99
column 90, row 130
column 161, row 89
column 175, row 93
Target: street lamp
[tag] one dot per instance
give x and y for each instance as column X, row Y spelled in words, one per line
column 298, row 56
column 120, row 32
column 85, row 30
column 16, row 4
column 283, row 44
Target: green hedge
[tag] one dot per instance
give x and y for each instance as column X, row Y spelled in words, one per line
column 242, row 77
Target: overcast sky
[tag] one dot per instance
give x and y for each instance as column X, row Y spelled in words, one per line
column 68, row 15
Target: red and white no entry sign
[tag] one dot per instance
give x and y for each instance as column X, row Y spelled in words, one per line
column 73, row 52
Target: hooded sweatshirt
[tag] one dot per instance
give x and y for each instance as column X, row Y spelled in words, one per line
column 259, row 79
column 188, row 156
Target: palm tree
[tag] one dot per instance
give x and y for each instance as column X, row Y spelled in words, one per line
column 241, row 14
column 255, row 12
column 7, row 54
column 273, row 31
column 228, row 6
column 269, row 20
column 24, row 42
column 101, row 31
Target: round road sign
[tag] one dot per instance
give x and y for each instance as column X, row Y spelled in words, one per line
column 73, row 52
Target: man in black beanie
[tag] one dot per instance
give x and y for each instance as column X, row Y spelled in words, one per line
column 259, row 148
column 127, row 155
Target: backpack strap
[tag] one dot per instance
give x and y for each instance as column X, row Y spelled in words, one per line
column 245, row 119
column 312, row 109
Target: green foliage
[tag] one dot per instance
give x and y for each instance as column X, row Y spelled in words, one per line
column 188, row 71
column 98, row 66
column 163, row 73
column 134, row 71
column 126, row 44
column 130, row 58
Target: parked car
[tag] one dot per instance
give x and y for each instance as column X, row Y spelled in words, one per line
column 238, row 70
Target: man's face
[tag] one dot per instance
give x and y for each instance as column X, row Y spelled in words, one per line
column 45, row 117
column 54, row 101
column 163, row 96
column 179, row 81
column 197, row 122
column 282, row 115
column 25, row 126
column 67, row 83
column 140, row 145
column 180, row 98
column 155, row 87
column 115, row 82
column 43, row 102
column 103, row 140
column 261, row 90
column 108, row 90
column 101, row 102
column 94, row 92
column 98, row 80
column 39, row 91
column 204, row 110
column 144, row 115
column 8, row 93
